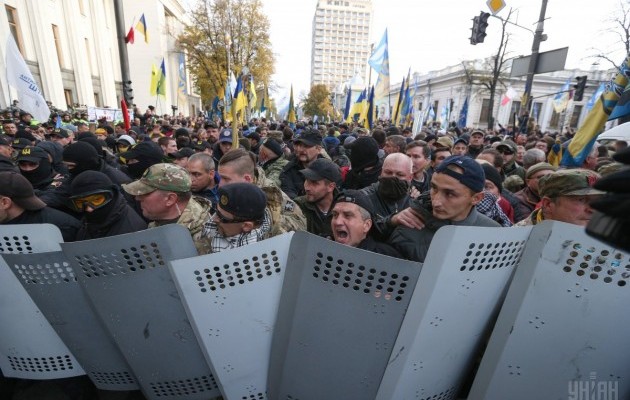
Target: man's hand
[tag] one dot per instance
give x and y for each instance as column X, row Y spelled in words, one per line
column 408, row 218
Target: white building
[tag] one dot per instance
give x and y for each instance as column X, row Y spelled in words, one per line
column 71, row 49
column 451, row 85
column 340, row 42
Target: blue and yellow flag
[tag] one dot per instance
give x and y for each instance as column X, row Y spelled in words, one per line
column 161, row 84
column 357, row 108
column 398, row 105
column 181, row 76
column 291, row 115
column 346, row 110
column 561, row 100
column 239, row 102
column 141, row 27
column 593, row 124
column 369, row 119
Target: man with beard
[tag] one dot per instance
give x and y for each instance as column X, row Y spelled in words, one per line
column 320, row 184
column 35, row 166
column 391, row 193
column 105, row 211
column 307, row 149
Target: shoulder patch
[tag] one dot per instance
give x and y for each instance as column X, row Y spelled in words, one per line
column 289, row 206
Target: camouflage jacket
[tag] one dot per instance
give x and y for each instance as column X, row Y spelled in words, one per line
column 286, row 215
column 193, row 218
column 273, row 168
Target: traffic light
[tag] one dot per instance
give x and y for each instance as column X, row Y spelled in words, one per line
column 128, row 92
column 579, row 88
column 480, row 23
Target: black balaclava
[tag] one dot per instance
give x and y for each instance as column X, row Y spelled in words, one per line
column 84, row 155
column 39, row 174
column 89, row 182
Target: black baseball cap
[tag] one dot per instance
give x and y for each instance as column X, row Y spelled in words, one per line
column 322, row 168
column 357, row 197
column 183, row 153
column 310, row 138
column 473, row 176
column 146, row 149
column 32, row 154
column 20, row 191
column 63, row 133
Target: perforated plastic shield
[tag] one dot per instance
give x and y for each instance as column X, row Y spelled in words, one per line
column 29, row 347
column 232, row 301
column 563, row 330
column 340, row 311
column 50, row 281
column 129, row 285
column 453, row 307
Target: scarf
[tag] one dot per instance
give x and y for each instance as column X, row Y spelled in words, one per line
column 218, row 242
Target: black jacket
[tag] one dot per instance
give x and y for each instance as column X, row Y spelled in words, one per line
column 66, row 224
column 383, row 210
column 120, row 219
column 372, row 245
column 316, row 222
column 364, row 178
column 291, row 180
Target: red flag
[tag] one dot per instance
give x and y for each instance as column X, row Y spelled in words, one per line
column 130, row 36
column 123, row 105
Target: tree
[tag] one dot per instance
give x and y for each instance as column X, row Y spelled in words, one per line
column 495, row 69
column 227, row 34
column 317, row 102
column 618, row 25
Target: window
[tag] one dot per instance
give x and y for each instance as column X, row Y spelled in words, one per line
column 485, row 111
column 555, row 119
column 97, row 100
column 516, row 108
column 536, row 111
column 67, row 93
column 55, row 30
column 14, row 27
column 575, row 117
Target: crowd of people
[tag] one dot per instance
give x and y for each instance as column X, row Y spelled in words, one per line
column 383, row 190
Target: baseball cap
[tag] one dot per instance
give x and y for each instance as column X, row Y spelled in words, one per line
column 310, row 138
column 225, row 136
column 201, row 145
column 541, row 166
column 322, row 168
column 20, row 191
column 167, row 177
column 477, row 133
column 569, row 182
column 63, row 133
column 357, row 197
column 473, row 176
column 20, row 143
column 32, row 154
column 507, row 145
column 444, row 141
column 5, row 140
column 246, row 201
column 183, row 153
column 461, row 140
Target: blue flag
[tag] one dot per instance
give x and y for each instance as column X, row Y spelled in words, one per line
column 463, row 114
column 346, row 110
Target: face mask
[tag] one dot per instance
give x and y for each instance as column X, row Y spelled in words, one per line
column 39, row 174
column 392, row 188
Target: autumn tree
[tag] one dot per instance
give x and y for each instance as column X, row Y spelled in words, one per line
column 227, row 35
column 317, row 102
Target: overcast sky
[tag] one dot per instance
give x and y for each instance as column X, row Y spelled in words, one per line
column 430, row 35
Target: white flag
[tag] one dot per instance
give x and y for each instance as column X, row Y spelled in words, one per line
column 19, row 76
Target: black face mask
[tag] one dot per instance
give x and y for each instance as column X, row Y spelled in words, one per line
column 101, row 214
column 136, row 170
column 392, row 188
column 39, row 174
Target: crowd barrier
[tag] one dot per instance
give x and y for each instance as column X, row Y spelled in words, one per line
column 301, row 317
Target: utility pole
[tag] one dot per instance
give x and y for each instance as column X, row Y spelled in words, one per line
column 122, row 51
column 538, row 37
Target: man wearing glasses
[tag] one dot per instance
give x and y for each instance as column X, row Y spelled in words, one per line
column 508, row 149
column 164, row 195
column 241, row 218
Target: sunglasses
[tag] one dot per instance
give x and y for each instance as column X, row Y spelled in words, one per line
column 95, row 201
column 224, row 220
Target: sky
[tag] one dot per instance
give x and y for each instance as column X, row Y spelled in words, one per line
column 430, row 35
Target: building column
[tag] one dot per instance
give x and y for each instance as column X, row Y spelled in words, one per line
column 78, row 56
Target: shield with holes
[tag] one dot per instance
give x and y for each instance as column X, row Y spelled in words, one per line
column 51, row 282
column 29, row 346
column 339, row 315
column 232, row 300
column 452, row 311
column 128, row 283
column 563, row 329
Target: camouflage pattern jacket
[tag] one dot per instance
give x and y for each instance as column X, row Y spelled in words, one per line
column 193, row 218
column 286, row 215
column 273, row 168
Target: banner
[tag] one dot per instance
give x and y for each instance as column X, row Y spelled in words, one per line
column 110, row 114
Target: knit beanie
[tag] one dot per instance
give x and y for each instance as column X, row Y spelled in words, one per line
column 83, row 154
column 364, row 153
column 493, row 175
column 274, row 146
column 90, row 182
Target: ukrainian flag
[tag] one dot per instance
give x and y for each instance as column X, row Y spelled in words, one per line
column 582, row 143
column 141, row 27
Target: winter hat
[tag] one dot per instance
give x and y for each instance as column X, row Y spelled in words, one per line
column 364, row 153
column 274, row 146
column 89, row 182
column 83, row 154
column 493, row 176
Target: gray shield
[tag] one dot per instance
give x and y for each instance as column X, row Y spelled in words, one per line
column 50, row 281
column 452, row 311
column 563, row 330
column 339, row 315
column 29, row 347
column 128, row 283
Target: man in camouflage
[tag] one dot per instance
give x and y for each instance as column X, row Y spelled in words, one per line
column 238, row 166
column 565, row 196
column 164, row 195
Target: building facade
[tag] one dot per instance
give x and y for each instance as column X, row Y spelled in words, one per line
column 340, row 42
column 71, row 48
column 452, row 85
